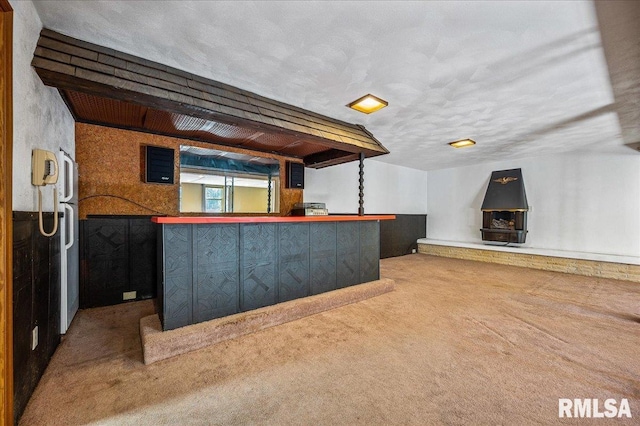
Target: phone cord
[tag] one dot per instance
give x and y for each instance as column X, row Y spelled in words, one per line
column 55, row 213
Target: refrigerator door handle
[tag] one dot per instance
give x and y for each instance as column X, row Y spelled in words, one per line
column 69, row 217
column 68, row 170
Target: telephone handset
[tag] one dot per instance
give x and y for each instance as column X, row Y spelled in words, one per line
column 44, row 171
column 44, row 167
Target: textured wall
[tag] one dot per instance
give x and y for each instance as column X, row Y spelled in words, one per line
column 387, row 188
column 191, row 198
column 41, row 119
column 590, row 268
column 109, row 162
column 246, row 199
column 580, row 202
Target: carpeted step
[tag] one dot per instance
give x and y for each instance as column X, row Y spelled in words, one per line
column 158, row 345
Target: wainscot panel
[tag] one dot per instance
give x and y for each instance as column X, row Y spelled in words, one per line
column 36, row 303
column 118, row 256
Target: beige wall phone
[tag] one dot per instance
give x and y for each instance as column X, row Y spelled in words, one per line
column 44, row 171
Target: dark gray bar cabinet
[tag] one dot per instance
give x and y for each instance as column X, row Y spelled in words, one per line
column 210, row 267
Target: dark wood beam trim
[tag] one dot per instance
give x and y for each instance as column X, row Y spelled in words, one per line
column 69, row 104
column 65, row 55
column 6, row 221
column 91, row 70
column 329, row 158
column 66, row 82
column 152, row 69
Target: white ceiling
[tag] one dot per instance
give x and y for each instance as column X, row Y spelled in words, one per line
column 520, row 78
column 218, row 180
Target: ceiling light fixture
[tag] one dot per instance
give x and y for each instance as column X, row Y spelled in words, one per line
column 462, row 143
column 368, row 104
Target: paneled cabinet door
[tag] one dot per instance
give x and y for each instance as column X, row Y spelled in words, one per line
column 117, row 255
column 105, row 264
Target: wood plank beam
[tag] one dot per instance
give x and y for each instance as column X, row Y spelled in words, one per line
column 83, row 67
column 6, row 221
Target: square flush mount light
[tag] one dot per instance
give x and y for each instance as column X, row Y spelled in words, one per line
column 368, row 104
column 462, row 143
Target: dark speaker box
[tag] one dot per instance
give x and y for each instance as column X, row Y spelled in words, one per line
column 158, row 165
column 295, row 175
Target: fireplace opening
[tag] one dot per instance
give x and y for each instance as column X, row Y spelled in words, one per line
column 504, row 226
column 502, row 220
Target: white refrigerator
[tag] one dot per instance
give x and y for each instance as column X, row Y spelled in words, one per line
column 69, row 240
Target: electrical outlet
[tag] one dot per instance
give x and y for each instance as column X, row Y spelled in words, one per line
column 129, row 295
column 34, row 338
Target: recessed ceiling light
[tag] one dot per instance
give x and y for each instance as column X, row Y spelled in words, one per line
column 462, row 143
column 368, row 104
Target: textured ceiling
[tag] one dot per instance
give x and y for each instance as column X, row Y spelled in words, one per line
column 520, row 78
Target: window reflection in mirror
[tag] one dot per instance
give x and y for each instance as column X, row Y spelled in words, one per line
column 214, row 181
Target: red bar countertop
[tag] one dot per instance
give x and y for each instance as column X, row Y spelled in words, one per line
column 265, row 219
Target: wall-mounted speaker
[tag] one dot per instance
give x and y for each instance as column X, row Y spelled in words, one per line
column 158, row 165
column 295, row 175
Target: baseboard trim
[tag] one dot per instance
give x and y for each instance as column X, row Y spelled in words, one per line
column 589, row 268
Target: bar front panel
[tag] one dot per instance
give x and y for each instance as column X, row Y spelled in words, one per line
column 258, row 265
column 293, row 267
column 211, row 270
column 216, row 278
column 348, row 254
column 323, row 257
column 178, row 276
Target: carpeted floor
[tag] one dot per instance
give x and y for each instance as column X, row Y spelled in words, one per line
column 457, row 342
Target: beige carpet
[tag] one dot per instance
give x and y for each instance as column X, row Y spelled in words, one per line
column 457, row 342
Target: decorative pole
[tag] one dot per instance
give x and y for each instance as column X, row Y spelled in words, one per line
column 269, row 194
column 361, row 195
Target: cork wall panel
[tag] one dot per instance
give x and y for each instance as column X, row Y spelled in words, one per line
column 110, row 164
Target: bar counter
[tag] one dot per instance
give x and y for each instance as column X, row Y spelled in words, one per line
column 211, row 267
column 267, row 219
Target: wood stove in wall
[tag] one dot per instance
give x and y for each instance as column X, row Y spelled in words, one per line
column 505, row 207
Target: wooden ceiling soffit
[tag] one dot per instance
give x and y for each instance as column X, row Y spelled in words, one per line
column 104, row 86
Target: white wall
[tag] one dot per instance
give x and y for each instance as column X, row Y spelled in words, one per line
column 387, row 188
column 580, row 202
column 41, row 119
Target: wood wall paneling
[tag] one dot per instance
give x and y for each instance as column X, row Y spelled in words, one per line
column 6, row 229
column 118, row 255
column 400, row 236
column 36, row 303
column 110, row 164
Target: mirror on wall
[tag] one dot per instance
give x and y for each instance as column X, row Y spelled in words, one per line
column 214, row 181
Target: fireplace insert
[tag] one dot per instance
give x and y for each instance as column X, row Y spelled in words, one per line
column 504, row 209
